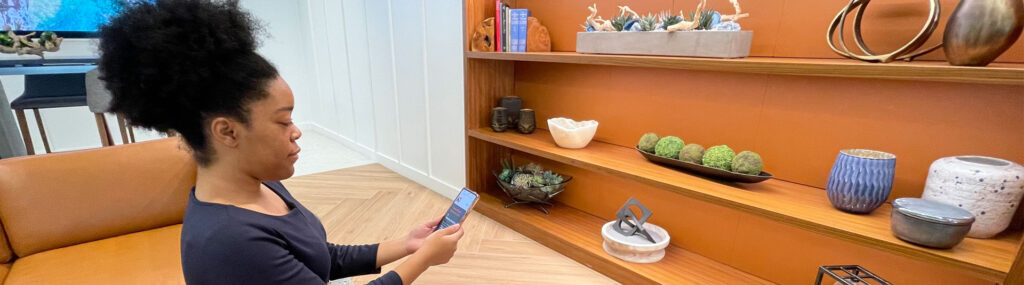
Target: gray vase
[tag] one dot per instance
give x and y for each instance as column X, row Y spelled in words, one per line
column 981, row 30
column 861, row 180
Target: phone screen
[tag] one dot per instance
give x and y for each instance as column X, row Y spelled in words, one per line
column 462, row 204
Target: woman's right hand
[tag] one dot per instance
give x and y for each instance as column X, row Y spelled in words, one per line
column 440, row 246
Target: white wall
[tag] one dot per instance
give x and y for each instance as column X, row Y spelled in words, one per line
column 390, row 84
column 286, row 27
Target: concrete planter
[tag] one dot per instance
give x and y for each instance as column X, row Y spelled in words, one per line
column 715, row 44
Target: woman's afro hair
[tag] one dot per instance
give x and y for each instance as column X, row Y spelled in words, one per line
column 172, row 65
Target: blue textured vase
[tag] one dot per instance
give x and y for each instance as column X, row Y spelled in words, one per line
column 861, row 180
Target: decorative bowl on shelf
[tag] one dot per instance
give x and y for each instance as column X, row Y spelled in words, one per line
column 539, row 196
column 704, row 170
column 635, row 248
column 572, row 134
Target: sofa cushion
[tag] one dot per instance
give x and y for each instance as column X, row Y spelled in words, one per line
column 148, row 257
column 4, row 269
column 5, row 249
column 56, row 200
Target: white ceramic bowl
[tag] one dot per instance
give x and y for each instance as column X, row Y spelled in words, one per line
column 635, row 248
column 572, row 134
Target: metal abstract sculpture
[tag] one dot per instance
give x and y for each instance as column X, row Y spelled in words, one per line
column 634, row 225
column 908, row 52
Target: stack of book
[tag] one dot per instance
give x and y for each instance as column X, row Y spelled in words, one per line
column 510, row 27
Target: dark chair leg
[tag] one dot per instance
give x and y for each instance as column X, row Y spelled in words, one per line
column 123, row 129
column 42, row 131
column 131, row 132
column 101, row 125
column 23, row 125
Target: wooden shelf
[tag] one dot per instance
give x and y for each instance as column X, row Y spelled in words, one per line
column 798, row 205
column 998, row 73
column 577, row 234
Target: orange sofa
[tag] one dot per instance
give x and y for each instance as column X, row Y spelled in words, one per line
column 102, row 216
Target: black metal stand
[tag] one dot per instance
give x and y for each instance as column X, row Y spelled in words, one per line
column 849, row 275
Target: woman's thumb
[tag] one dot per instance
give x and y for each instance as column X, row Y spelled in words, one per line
column 452, row 229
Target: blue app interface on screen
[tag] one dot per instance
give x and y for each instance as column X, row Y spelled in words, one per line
column 458, row 209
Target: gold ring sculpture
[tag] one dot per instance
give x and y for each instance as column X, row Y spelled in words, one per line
column 907, row 52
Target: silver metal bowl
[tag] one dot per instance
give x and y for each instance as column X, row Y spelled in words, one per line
column 929, row 223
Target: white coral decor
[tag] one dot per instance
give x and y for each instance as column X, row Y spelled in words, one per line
column 572, row 134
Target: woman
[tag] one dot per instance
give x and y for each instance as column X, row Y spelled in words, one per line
column 190, row 66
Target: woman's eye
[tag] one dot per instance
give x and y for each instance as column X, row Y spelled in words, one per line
column 289, row 123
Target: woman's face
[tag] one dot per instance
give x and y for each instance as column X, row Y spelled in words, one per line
column 267, row 148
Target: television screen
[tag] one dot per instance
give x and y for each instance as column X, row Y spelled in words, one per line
column 69, row 18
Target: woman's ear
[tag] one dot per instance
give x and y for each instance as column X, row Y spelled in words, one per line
column 224, row 131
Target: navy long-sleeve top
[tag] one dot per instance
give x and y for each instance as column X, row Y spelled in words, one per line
column 224, row 244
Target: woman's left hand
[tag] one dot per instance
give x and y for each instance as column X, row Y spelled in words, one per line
column 418, row 234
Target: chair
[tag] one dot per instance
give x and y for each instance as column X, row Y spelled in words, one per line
column 45, row 91
column 98, row 98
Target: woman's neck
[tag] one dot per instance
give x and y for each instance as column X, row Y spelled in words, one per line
column 221, row 184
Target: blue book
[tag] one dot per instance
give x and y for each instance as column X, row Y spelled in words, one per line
column 518, row 29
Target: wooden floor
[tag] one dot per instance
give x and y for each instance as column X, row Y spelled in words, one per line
column 369, row 204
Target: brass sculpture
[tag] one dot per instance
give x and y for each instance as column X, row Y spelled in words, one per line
column 483, row 38
column 907, row 52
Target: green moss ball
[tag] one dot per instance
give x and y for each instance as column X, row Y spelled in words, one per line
column 719, row 156
column 668, row 147
column 747, row 162
column 648, row 142
column 692, row 153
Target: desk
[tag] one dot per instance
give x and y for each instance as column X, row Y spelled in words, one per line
column 11, row 144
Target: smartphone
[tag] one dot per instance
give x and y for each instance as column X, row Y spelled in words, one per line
column 461, row 206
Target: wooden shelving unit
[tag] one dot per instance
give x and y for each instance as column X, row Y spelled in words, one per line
column 790, row 203
column 997, row 73
column 569, row 231
column 766, row 226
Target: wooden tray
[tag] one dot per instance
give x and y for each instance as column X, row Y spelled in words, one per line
column 704, row 170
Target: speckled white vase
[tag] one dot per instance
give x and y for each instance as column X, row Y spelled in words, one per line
column 990, row 188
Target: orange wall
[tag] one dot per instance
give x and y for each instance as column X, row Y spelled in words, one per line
column 782, row 28
column 774, row 251
column 798, row 124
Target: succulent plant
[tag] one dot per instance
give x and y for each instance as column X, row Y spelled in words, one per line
column 522, row 180
column 669, row 147
column 532, row 168
column 619, row 22
column 6, row 40
column 706, row 18
column 668, row 19
column 648, row 22
column 747, row 162
column 507, row 170
column 719, row 156
column 538, row 181
column 692, row 153
column 506, row 175
column 648, row 142
column 551, row 178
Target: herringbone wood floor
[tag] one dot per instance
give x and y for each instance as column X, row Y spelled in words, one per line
column 369, row 204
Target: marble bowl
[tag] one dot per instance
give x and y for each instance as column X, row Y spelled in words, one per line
column 635, row 248
column 572, row 134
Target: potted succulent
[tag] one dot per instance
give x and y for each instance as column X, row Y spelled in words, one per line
column 530, row 184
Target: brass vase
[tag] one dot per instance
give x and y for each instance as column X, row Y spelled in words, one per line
column 499, row 119
column 980, row 30
column 527, row 121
